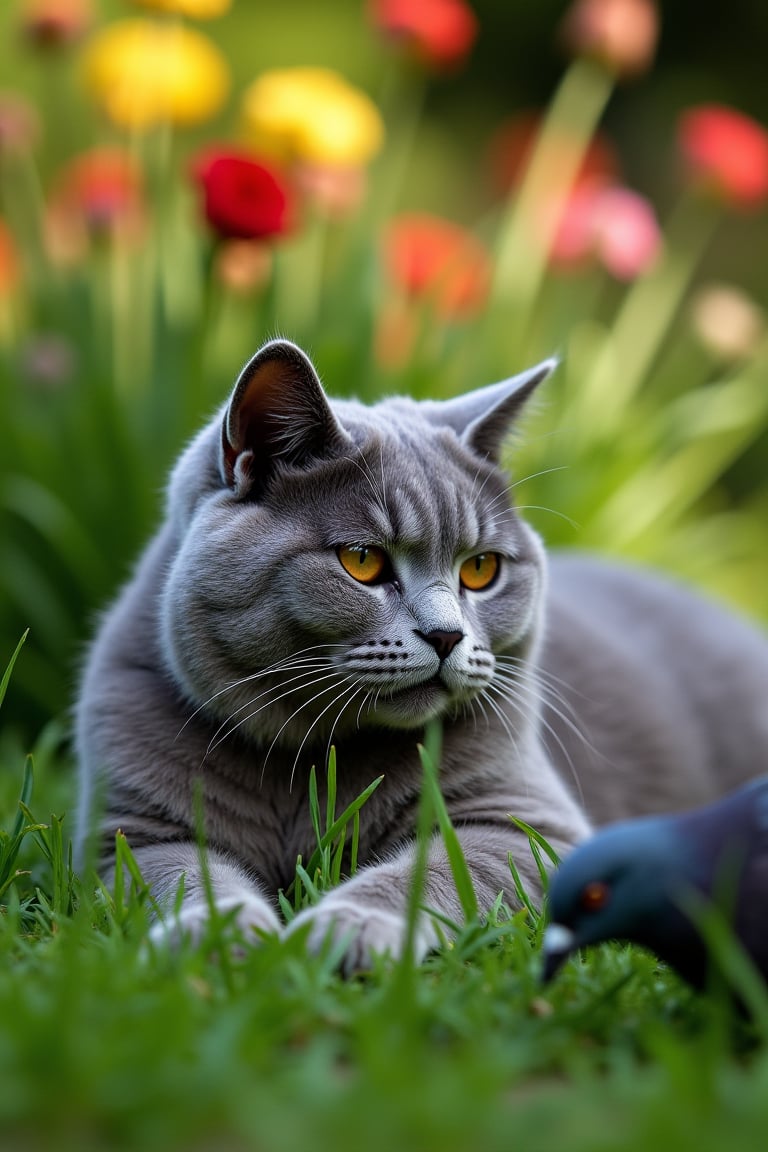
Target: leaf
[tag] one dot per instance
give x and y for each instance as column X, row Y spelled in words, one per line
column 465, row 889
column 9, row 668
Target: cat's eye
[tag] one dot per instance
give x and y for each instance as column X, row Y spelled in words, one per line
column 479, row 571
column 365, row 563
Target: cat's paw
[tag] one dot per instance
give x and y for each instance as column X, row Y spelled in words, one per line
column 253, row 918
column 361, row 931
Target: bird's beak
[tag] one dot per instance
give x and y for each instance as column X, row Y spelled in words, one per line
column 558, row 944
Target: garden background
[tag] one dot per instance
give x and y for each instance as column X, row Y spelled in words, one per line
column 428, row 197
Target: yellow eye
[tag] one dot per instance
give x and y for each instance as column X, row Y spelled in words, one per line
column 364, row 563
column 479, row 571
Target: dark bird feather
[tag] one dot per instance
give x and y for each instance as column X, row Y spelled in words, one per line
column 638, row 881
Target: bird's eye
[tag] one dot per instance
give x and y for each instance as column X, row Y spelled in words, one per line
column 480, row 571
column 595, row 896
column 365, row 563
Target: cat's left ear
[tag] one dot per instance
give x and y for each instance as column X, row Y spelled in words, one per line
column 483, row 418
column 278, row 411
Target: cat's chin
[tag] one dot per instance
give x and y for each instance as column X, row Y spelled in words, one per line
column 412, row 707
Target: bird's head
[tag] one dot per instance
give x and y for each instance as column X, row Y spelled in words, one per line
column 615, row 886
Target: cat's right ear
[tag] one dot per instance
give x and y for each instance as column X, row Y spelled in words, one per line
column 278, row 411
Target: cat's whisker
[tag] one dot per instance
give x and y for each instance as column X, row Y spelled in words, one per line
column 546, row 701
column 554, row 512
column 269, row 704
column 366, row 699
column 339, row 679
column 309, row 667
column 251, row 677
column 354, row 689
column 345, row 705
column 534, row 475
column 542, row 675
column 520, row 704
column 503, row 720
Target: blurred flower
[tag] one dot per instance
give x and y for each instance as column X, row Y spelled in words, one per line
column 243, row 199
column 727, row 152
column 55, row 23
column 434, row 259
column 47, row 361
column 143, row 72
column 728, row 323
column 511, row 147
column 9, row 263
column 335, row 190
column 613, row 225
column 312, row 115
column 620, row 34
column 438, row 32
column 97, row 195
column 193, row 9
column 19, row 123
column 244, row 266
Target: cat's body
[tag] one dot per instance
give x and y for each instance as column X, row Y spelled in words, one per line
column 337, row 574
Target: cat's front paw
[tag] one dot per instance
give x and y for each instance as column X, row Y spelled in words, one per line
column 253, row 918
column 361, row 931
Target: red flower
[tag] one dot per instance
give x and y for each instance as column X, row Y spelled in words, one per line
column 439, row 32
column 242, row 198
column 726, row 151
column 436, row 259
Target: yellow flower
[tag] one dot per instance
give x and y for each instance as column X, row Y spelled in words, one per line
column 144, row 73
column 312, row 115
column 194, row 9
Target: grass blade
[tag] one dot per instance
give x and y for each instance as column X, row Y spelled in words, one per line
column 9, row 667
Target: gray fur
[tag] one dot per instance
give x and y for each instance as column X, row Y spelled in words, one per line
column 241, row 649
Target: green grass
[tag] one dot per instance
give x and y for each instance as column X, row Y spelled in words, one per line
column 108, row 1042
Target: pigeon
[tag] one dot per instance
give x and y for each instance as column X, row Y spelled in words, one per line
column 643, row 881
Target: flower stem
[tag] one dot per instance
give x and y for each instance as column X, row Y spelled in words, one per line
column 534, row 213
column 646, row 314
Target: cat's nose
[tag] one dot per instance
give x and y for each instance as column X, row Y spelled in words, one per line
column 442, row 642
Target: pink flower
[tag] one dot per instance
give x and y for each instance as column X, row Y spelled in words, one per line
column 726, row 151
column 620, row 34
column 439, row 32
column 613, row 225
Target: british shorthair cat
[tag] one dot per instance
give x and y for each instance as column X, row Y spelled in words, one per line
column 334, row 574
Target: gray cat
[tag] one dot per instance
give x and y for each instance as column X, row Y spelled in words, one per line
column 329, row 573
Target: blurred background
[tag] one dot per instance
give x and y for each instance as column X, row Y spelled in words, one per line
column 428, row 196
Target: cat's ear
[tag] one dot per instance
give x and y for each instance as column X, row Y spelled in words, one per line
column 483, row 418
column 278, row 411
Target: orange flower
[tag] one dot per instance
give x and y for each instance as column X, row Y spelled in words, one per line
column 98, row 194
column 9, row 263
column 55, row 23
column 436, row 260
column 620, row 34
column 438, row 32
column 726, row 151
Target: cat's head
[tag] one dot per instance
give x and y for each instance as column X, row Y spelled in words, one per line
column 344, row 566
